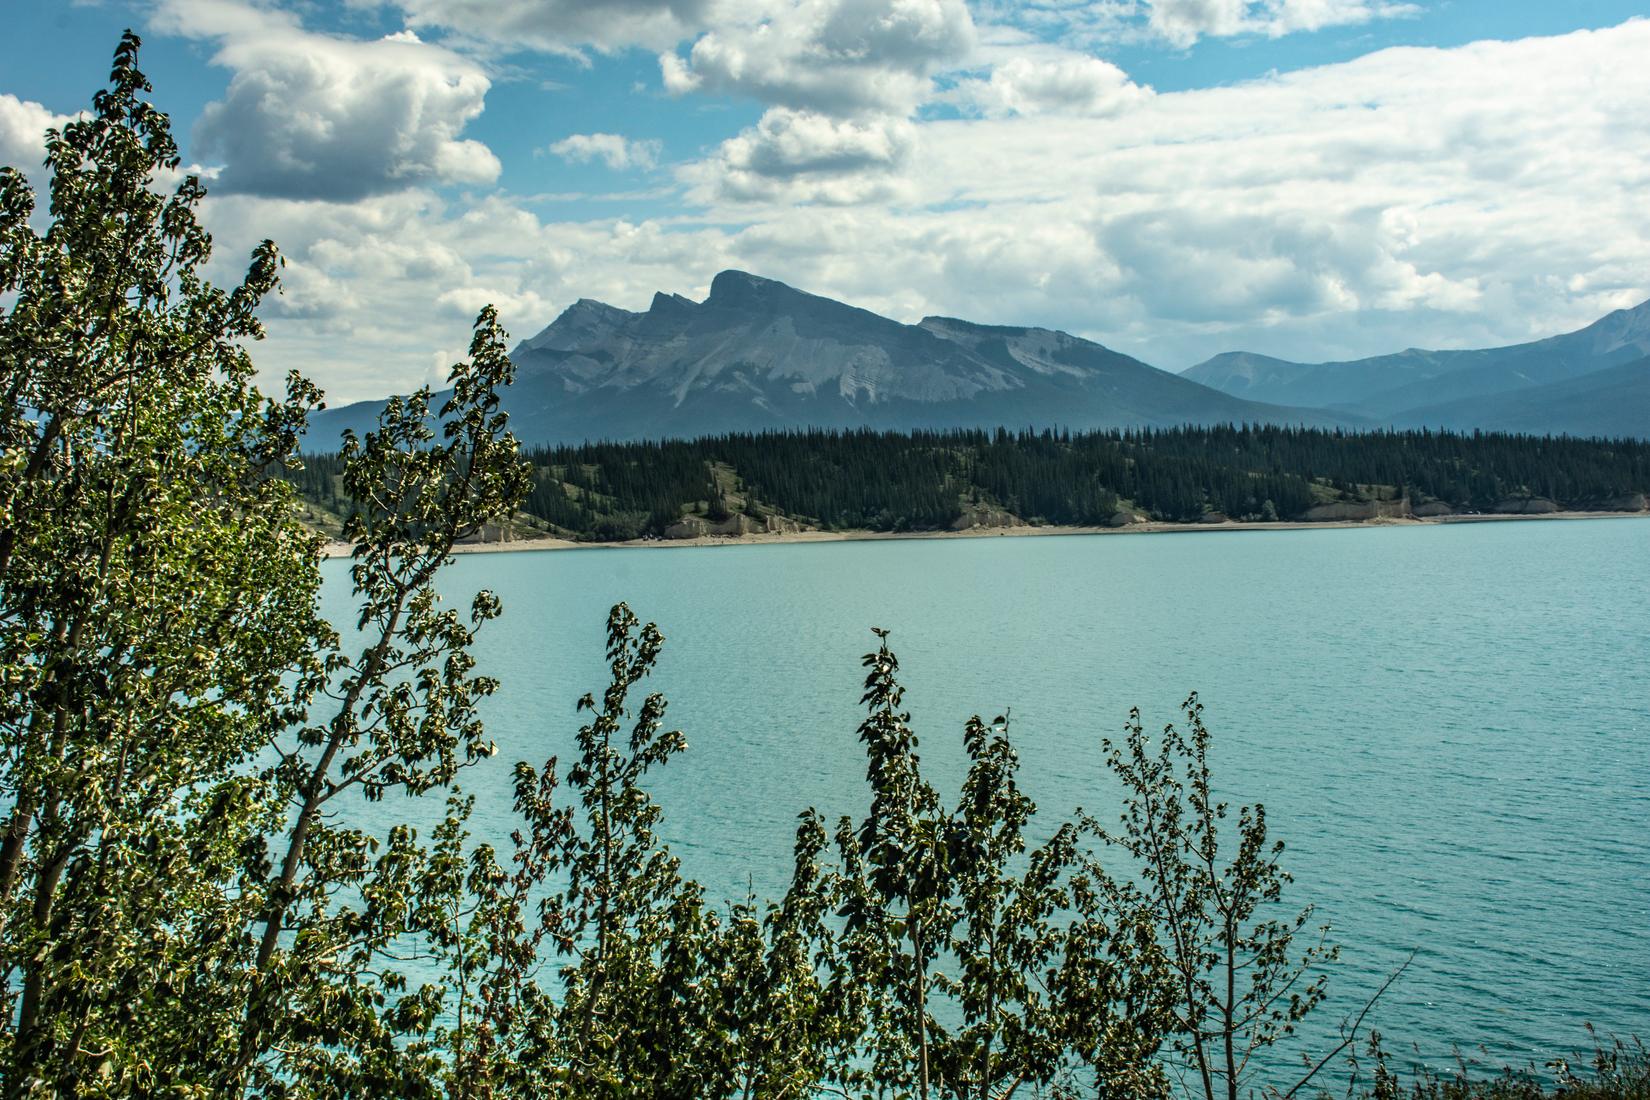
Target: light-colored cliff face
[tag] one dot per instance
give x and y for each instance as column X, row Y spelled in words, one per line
column 735, row 526
column 1526, row 506
column 1341, row 511
column 1630, row 502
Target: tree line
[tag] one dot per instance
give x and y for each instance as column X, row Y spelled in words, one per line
column 192, row 905
column 894, row 481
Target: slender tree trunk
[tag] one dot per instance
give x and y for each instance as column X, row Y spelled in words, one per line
column 55, row 745
column 461, row 1071
column 922, row 1009
column 605, row 899
column 29, row 1038
column 1183, row 961
column 316, row 789
column 36, row 466
column 12, row 845
column 69, row 636
column 1228, row 1026
column 44, row 802
column 990, row 1014
column 280, row 899
column 79, row 994
column 279, row 894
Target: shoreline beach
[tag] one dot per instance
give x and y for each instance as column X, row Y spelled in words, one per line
column 337, row 549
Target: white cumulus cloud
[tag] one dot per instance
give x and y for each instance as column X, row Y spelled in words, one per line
column 837, row 57
column 802, row 156
column 565, row 25
column 378, row 295
column 1050, row 82
column 23, row 126
column 614, row 150
column 1183, row 22
column 317, row 116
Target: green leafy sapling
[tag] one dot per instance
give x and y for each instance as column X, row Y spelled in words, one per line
column 1240, row 983
column 895, row 899
column 974, row 963
column 1012, row 940
column 401, row 710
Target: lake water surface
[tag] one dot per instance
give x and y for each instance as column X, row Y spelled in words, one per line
column 1449, row 725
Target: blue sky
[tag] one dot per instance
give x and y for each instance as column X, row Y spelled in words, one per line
column 1305, row 178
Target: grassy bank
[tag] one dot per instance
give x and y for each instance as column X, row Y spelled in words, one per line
column 1616, row 1070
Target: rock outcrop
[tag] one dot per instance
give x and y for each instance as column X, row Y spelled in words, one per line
column 491, row 532
column 1525, row 506
column 689, row 527
column 985, row 517
column 1630, row 502
column 1355, row 510
column 735, row 526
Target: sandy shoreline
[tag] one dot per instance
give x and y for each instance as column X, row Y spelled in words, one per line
column 341, row 549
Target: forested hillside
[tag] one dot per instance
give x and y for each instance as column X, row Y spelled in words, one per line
column 893, row 481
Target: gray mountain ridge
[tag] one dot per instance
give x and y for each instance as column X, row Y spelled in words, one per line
column 1472, row 388
column 758, row 355
column 1613, row 402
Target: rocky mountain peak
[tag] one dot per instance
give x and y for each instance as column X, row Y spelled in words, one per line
column 741, row 290
column 584, row 320
column 670, row 304
column 1625, row 328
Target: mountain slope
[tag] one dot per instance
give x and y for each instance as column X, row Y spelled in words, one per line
column 757, row 355
column 1612, row 402
column 1081, row 370
column 1383, row 386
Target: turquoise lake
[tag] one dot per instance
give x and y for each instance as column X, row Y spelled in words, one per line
column 1449, row 725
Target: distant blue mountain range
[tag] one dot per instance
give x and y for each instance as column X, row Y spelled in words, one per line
column 1593, row 382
